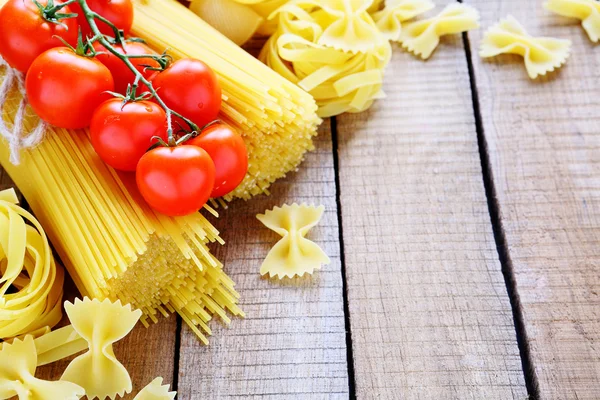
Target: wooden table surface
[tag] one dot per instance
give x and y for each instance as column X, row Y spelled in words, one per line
column 463, row 224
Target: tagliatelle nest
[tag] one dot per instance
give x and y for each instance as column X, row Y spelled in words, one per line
column 334, row 50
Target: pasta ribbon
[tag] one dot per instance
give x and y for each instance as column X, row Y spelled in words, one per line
column 155, row 391
column 293, row 255
column 588, row 11
column 101, row 324
column 422, row 37
column 18, row 362
column 31, row 284
column 331, row 49
column 389, row 19
column 59, row 344
column 541, row 54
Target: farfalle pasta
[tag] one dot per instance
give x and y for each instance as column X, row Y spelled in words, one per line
column 333, row 50
column 155, row 390
column 389, row 19
column 100, row 324
column 31, row 283
column 541, row 54
column 293, row 255
column 422, row 37
column 18, row 362
column 588, row 11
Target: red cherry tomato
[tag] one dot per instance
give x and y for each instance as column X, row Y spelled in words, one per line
column 190, row 88
column 228, row 151
column 25, row 34
column 119, row 12
column 122, row 75
column 121, row 135
column 176, row 181
column 64, row 89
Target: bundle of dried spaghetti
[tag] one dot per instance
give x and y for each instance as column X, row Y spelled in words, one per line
column 113, row 245
column 334, row 50
column 276, row 118
column 31, row 283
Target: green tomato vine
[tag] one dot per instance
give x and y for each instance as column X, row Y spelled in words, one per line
column 51, row 13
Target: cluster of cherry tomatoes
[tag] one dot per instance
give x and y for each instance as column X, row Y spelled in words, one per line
column 69, row 87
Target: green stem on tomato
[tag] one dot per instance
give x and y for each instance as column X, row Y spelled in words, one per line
column 50, row 12
column 91, row 17
column 53, row 9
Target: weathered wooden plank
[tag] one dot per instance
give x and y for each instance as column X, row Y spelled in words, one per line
column 292, row 343
column 146, row 353
column 544, row 153
column 429, row 310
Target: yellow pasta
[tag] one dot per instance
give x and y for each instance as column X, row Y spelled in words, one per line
column 588, row 11
column 293, row 255
column 422, row 37
column 101, row 324
column 58, row 344
column 276, row 118
column 541, row 54
column 155, row 390
column 332, row 50
column 18, row 362
column 237, row 21
column 113, row 245
column 31, row 283
column 394, row 12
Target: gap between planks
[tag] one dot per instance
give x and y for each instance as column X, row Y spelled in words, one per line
column 500, row 235
column 349, row 352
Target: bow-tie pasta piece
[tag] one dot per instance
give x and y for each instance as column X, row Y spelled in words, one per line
column 541, row 54
column 155, row 391
column 389, row 19
column 422, row 37
column 293, row 255
column 588, row 11
column 18, row 362
column 101, row 324
column 347, row 25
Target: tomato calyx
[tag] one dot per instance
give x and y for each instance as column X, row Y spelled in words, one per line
column 184, row 137
column 131, row 94
column 51, row 12
column 85, row 48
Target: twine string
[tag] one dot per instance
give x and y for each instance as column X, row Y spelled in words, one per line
column 15, row 136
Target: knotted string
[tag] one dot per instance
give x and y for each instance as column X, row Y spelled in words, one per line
column 15, row 136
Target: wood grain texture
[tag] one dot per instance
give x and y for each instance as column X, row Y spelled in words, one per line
column 292, row 343
column 429, row 310
column 146, row 353
column 544, row 151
